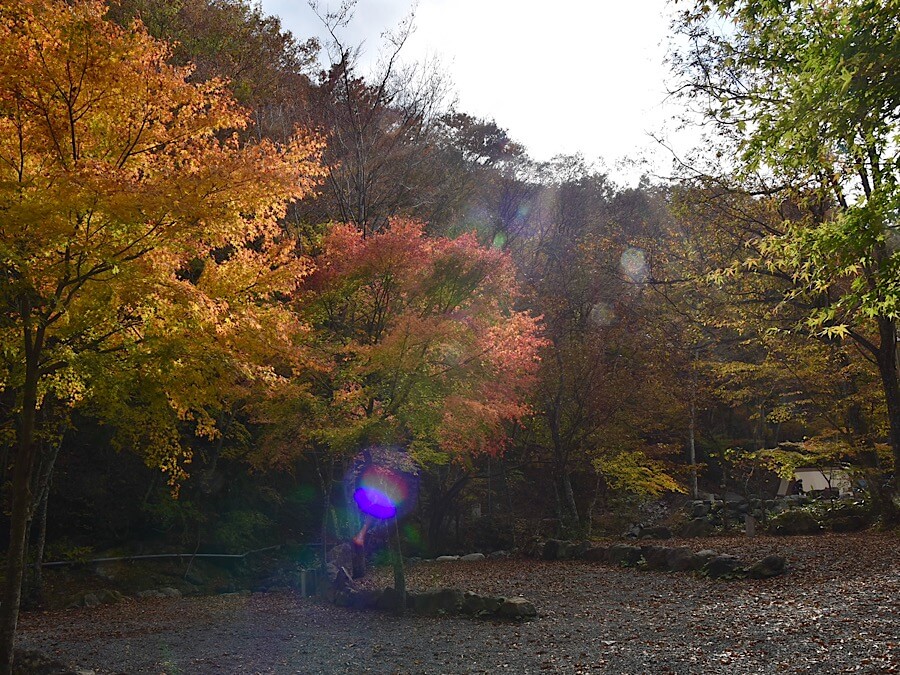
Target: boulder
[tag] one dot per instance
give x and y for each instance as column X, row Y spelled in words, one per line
column 388, row 600
column 368, row 598
column 847, row 523
column 595, row 554
column 472, row 557
column 555, row 549
column 681, row 559
column 793, row 523
column 702, row 557
column 441, row 601
column 623, row 554
column 770, row 566
column 723, row 566
column 31, row 662
column 341, row 556
column 447, row 558
column 634, row 531
column 699, row 509
column 342, row 580
column 450, row 600
column 698, row 527
column 498, row 554
column 473, row 603
column 579, row 549
column 167, row 592
column 517, row 608
column 658, row 532
column 655, row 557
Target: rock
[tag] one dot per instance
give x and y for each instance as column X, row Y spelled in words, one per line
column 517, row 608
column 31, row 662
column 388, row 600
column 450, row 600
column 696, row 528
column 342, row 580
column 341, row 556
column 368, row 598
column 196, row 577
column 770, row 566
column 658, row 532
column 441, row 601
column 734, row 498
column 108, row 596
column 623, row 554
column 472, row 557
column 163, row 593
column 655, row 557
column 473, row 603
column 492, row 604
column 723, row 566
column 634, row 532
column 342, row 598
column 847, row 523
column 699, row 509
column 102, row 597
column 446, row 558
column 498, row 554
column 595, row 554
column 555, row 549
column 794, row 523
column 681, row 559
column 578, row 550
column 426, row 602
column 702, row 557
column 534, row 548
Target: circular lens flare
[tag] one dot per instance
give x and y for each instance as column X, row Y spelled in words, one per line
column 375, row 503
column 380, row 492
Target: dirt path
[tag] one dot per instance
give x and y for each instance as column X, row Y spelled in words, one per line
column 838, row 610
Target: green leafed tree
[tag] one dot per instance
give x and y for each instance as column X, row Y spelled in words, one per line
column 809, row 93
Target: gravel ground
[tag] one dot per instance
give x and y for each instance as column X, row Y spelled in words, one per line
column 837, row 610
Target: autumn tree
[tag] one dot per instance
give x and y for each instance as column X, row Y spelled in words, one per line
column 129, row 204
column 416, row 342
column 601, row 374
column 267, row 68
column 808, row 95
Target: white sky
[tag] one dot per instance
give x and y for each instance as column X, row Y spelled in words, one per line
column 562, row 76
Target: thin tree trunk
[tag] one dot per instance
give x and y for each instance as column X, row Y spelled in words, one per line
column 693, row 451
column 692, row 430
column 890, row 379
column 570, row 504
column 37, row 577
column 39, row 510
column 22, row 503
column 399, row 572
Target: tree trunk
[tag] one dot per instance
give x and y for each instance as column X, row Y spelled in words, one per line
column 890, row 380
column 22, row 504
column 399, row 572
column 569, row 501
column 693, row 451
column 440, row 504
column 37, row 576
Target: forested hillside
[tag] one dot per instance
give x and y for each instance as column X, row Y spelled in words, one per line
column 236, row 269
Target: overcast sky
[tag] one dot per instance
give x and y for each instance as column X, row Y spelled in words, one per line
column 562, row 76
